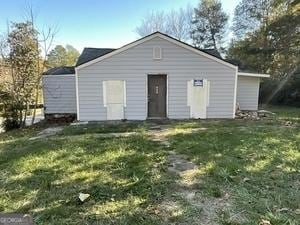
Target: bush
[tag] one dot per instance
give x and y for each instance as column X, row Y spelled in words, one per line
column 289, row 93
column 10, row 112
column 10, row 124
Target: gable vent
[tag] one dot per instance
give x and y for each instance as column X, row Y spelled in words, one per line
column 157, row 52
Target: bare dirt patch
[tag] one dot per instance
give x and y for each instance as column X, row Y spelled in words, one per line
column 47, row 132
column 186, row 202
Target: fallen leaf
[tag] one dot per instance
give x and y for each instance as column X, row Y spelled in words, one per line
column 226, row 196
column 83, row 196
column 297, row 211
column 246, row 179
column 282, row 210
column 265, row 222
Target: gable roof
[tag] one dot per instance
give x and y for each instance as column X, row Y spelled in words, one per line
column 61, row 70
column 213, row 52
column 89, row 54
column 204, row 53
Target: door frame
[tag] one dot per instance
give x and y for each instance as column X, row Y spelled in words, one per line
column 167, row 92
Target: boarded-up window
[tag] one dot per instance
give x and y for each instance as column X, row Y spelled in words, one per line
column 157, row 52
column 198, row 97
column 114, row 98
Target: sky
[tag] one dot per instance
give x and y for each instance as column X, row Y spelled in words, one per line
column 93, row 23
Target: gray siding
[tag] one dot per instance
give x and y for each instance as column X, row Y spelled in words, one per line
column 134, row 64
column 59, row 94
column 247, row 92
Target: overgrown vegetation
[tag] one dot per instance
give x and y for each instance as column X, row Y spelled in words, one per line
column 267, row 40
column 252, row 164
column 24, row 57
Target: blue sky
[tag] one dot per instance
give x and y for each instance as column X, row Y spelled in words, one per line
column 93, row 23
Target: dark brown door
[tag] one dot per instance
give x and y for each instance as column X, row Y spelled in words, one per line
column 157, row 95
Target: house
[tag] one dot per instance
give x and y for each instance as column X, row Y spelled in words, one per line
column 156, row 76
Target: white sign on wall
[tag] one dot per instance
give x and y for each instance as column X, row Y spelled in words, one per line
column 198, row 82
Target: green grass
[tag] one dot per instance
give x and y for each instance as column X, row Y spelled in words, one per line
column 44, row 177
column 256, row 162
column 285, row 112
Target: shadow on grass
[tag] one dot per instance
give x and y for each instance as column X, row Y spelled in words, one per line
column 258, row 165
column 105, row 127
column 124, row 177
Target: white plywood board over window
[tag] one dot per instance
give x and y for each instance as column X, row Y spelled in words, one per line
column 114, row 99
column 198, row 97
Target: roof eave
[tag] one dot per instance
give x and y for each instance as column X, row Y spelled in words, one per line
column 262, row 75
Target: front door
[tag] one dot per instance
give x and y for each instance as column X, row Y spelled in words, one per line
column 157, row 95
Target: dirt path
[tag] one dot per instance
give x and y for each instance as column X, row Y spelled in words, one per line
column 185, row 199
column 47, row 132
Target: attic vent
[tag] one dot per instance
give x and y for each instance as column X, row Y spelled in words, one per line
column 157, row 52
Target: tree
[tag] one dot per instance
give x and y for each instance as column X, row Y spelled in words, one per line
column 57, row 57
column 271, row 46
column 72, row 55
column 251, row 15
column 275, row 41
column 179, row 23
column 18, row 91
column 173, row 23
column 13, row 101
column 209, row 25
column 61, row 56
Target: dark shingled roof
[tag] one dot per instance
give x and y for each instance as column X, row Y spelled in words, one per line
column 213, row 52
column 89, row 54
column 60, row 70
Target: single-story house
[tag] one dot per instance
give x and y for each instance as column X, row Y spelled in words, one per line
column 156, row 76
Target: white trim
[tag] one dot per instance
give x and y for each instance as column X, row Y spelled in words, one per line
column 154, row 35
column 77, row 95
column 235, row 92
column 59, row 75
column 167, row 96
column 124, row 89
column 104, row 93
column 167, row 93
column 146, row 90
column 208, row 93
column 253, row 74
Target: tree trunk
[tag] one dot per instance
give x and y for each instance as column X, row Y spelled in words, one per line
column 36, row 98
column 25, row 116
column 20, row 117
column 35, row 104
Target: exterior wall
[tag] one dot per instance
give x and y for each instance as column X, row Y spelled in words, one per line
column 247, row 92
column 134, row 64
column 59, row 94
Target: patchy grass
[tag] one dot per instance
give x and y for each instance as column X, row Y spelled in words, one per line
column 115, row 127
column 44, row 177
column 285, row 112
column 256, row 164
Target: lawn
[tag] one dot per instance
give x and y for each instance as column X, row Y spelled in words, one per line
column 246, row 172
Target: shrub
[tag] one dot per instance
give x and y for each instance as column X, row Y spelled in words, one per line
column 10, row 113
